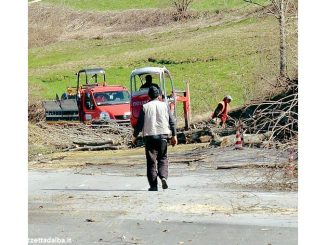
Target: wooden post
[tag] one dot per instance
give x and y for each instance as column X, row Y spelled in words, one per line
column 186, row 106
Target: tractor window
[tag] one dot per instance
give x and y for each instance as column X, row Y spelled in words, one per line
column 170, row 96
column 147, row 79
column 100, row 98
column 91, row 78
column 168, row 85
column 112, row 97
column 136, row 83
column 82, row 78
column 96, row 78
column 89, row 104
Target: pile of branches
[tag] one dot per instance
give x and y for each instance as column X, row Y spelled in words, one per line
column 279, row 115
column 79, row 137
column 36, row 112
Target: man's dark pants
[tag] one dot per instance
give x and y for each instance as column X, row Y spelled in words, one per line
column 156, row 150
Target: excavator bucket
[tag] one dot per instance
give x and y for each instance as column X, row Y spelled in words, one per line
column 61, row 110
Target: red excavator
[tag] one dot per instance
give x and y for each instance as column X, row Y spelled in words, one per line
column 92, row 101
column 171, row 96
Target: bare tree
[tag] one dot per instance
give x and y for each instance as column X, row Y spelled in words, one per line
column 181, row 7
column 280, row 7
column 279, row 10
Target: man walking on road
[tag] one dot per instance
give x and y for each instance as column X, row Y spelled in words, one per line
column 157, row 122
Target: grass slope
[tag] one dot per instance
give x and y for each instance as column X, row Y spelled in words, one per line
column 104, row 5
column 234, row 58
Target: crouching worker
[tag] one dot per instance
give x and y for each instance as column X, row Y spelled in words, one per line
column 157, row 122
column 220, row 113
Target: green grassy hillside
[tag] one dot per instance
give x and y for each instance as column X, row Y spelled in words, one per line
column 104, row 5
column 238, row 57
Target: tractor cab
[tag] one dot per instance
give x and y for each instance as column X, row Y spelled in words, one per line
column 92, row 101
column 91, row 77
column 161, row 77
column 100, row 102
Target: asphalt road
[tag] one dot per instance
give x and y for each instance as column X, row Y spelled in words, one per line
column 110, row 204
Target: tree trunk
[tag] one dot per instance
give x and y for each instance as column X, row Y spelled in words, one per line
column 282, row 23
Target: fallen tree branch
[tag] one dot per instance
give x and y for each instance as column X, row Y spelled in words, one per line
column 94, row 143
column 96, row 148
column 254, row 165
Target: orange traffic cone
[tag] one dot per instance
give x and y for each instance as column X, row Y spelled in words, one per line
column 291, row 155
column 239, row 140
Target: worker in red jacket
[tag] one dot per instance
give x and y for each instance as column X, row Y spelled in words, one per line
column 220, row 114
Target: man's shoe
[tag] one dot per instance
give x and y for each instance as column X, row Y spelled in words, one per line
column 153, row 188
column 164, row 183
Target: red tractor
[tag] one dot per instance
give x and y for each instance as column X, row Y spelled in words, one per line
column 91, row 102
column 171, row 96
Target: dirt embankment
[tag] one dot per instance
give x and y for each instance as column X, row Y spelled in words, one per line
column 44, row 27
